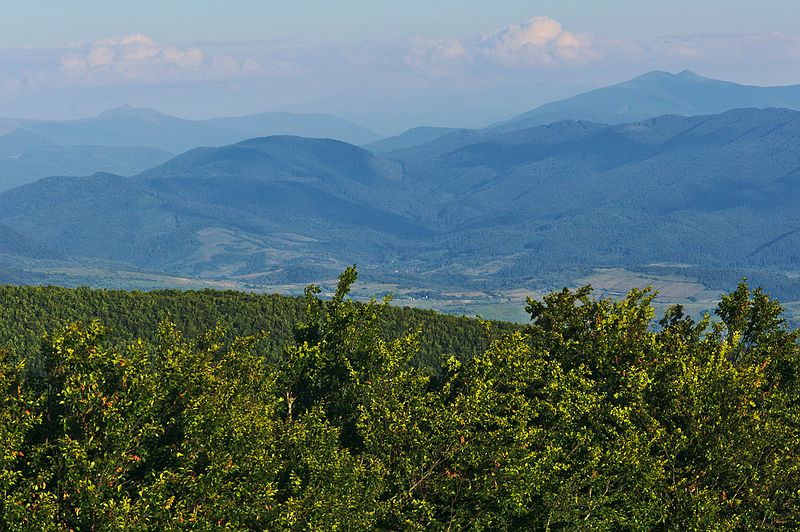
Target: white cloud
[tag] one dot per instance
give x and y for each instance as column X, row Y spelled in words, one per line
column 541, row 41
column 538, row 48
column 538, row 42
column 436, row 57
column 139, row 58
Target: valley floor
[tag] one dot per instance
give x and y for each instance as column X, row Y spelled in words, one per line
column 506, row 304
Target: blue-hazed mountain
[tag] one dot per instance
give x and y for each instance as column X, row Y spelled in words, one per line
column 472, row 208
column 14, row 141
column 123, row 126
column 36, row 162
column 409, row 139
column 281, row 157
column 720, row 190
column 130, row 126
column 256, row 207
column 13, row 243
column 655, row 94
column 128, row 140
column 475, row 108
column 316, row 125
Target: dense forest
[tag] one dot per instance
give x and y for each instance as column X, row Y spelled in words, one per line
column 207, row 410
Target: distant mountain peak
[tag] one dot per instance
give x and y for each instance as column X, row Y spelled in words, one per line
column 657, row 93
column 294, row 142
column 277, row 156
column 127, row 110
column 654, row 74
column 689, row 74
column 663, row 75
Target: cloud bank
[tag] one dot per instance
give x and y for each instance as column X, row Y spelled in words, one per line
column 140, row 59
column 539, row 44
column 540, row 41
column 436, row 57
column 263, row 74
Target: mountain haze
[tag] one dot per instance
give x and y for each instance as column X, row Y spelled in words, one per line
column 131, row 126
column 319, row 125
column 48, row 160
column 129, row 140
column 716, row 194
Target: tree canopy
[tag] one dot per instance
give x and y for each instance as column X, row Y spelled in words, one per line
column 593, row 416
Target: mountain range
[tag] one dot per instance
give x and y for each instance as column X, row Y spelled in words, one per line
column 129, row 140
column 48, row 160
column 654, row 94
column 488, row 208
column 133, row 126
column 716, row 191
column 478, row 107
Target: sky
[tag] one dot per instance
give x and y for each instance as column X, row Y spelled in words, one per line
column 419, row 59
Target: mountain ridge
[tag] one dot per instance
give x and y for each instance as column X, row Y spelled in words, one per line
column 654, row 94
column 473, row 208
column 144, row 127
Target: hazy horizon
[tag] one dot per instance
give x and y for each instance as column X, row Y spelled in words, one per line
column 209, row 59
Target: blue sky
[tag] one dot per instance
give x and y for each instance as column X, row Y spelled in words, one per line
column 51, row 22
column 205, row 58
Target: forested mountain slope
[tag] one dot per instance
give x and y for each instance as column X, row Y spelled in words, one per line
column 257, row 206
column 28, row 313
column 408, row 139
column 13, row 243
column 718, row 189
column 470, row 209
